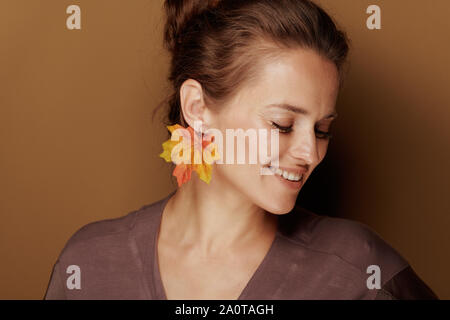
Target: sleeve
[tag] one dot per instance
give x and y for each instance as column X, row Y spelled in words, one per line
column 405, row 285
column 55, row 289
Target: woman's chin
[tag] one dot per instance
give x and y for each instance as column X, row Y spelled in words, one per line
column 279, row 207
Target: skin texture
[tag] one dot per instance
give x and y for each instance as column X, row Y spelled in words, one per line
column 213, row 237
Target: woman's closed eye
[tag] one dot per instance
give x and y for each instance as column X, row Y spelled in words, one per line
column 283, row 129
column 323, row 135
column 288, row 129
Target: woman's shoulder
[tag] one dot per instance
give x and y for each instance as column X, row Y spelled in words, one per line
column 358, row 247
column 100, row 252
column 352, row 241
column 114, row 232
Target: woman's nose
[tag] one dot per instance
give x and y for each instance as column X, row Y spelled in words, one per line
column 304, row 147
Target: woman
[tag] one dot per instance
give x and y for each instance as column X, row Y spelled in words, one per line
column 250, row 64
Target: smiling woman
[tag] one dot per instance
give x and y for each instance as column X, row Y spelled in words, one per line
column 250, row 64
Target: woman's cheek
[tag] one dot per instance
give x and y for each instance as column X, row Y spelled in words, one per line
column 322, row 150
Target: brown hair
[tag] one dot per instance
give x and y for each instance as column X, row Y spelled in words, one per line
column 221, row 43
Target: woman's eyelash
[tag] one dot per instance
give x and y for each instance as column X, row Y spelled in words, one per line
column 286, row 130
column 323, row 135
column 281, row 128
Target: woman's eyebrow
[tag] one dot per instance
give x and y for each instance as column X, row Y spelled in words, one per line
column 299, row 110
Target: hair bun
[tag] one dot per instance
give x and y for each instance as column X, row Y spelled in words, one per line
column 178, row 14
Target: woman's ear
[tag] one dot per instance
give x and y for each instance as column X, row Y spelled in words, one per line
column 192, row 102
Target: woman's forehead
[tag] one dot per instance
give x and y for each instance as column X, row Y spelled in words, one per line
column 299, row 77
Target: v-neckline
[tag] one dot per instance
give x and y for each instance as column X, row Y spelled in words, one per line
column 158, row 285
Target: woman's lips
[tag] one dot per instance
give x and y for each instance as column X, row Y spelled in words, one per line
column 295, row 185
column 285, row 176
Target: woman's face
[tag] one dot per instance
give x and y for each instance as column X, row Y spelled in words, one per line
column 295, row 93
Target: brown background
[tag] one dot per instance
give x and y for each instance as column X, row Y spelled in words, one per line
column 78, row 144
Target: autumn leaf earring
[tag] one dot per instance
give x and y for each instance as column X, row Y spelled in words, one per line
column 188, row 154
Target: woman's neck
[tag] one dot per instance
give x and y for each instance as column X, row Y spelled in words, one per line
column 215, row 218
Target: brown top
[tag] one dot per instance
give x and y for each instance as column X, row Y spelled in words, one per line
column 311, row 257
